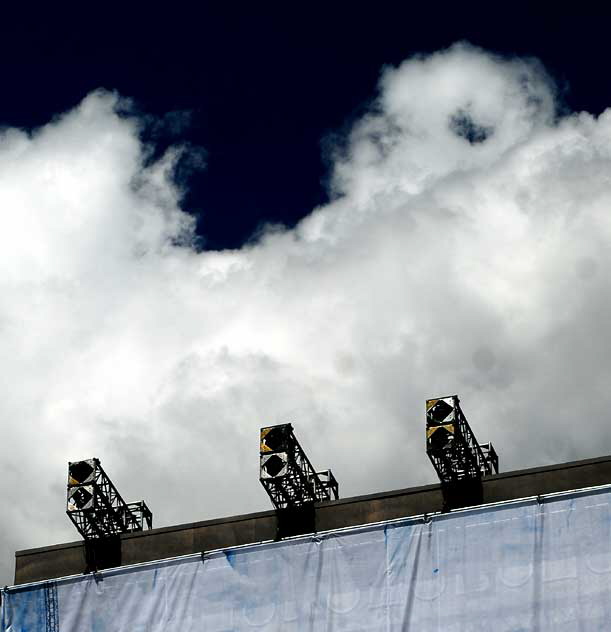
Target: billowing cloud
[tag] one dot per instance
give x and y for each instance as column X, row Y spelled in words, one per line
column 465, row 250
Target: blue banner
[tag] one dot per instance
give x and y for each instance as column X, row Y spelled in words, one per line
column 508, row 568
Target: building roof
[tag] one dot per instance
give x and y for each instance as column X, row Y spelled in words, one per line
column 132, row 548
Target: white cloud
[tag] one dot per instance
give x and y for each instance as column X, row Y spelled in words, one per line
column 466, row 251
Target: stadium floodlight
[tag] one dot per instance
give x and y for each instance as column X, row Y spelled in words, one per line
column 452, row 446
column 287, row 474
column 95, row 506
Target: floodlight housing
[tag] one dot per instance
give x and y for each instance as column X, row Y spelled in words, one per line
column 452, row 446
column 95, row 506
column 287, row 474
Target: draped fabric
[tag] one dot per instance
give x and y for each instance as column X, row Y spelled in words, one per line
column 543, row 566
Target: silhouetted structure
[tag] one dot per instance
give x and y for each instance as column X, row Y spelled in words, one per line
column 460, row 461
column 183, row 539
column 290, row 480
column 95, row 506
column 100, row 514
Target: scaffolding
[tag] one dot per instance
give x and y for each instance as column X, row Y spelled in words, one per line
column 451, row 445
column 95, row 506
column 287, row 474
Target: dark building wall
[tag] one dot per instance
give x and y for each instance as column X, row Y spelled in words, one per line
column 69, row 559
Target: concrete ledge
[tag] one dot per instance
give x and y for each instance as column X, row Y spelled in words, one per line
column 69, row 559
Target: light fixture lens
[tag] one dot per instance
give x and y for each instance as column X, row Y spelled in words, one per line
column 440, row 412
column 273, row 465
column 80, row 472
column 440, row 438
column 80, row 498
column 274, row 438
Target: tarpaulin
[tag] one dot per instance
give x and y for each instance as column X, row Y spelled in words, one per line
column 530, row 565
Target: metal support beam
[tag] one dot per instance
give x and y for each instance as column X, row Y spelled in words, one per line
column 290, row 481
column 95, row 506
column 451, row 445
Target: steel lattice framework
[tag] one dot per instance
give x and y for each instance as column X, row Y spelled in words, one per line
column 95, row 506
column 287, row 474
column 452, row 446
column 51, row 608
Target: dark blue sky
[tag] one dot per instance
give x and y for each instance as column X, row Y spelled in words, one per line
column 268, row 86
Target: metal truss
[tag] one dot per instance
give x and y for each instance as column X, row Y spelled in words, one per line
column 452, row 446
column 95, row 506
column 287, row 474
column 51, row 608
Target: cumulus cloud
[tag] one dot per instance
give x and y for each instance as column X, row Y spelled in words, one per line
column 465, row 250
